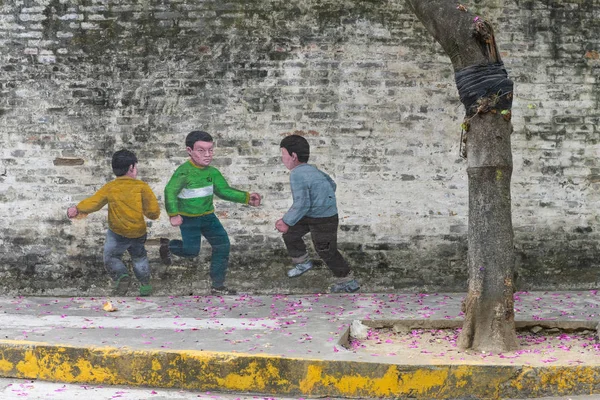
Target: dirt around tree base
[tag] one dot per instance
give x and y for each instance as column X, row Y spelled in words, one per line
column 537, row 347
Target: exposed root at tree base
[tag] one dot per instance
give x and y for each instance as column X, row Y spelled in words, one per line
column 487, row 330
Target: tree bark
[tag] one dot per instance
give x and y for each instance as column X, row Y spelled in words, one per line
column 489, row 309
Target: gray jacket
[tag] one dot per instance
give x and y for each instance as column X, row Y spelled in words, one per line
column 313, row 192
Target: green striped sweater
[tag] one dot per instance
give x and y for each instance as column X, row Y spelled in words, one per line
column 191, row 188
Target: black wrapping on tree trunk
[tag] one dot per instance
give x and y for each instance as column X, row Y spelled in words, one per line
column 484, row 81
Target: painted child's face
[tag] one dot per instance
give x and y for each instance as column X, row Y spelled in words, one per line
column 201, row 154
column 288, row 160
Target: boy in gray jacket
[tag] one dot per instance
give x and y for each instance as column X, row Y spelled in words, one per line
column 315, row 211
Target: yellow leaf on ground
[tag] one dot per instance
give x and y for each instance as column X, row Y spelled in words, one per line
column 108, row 307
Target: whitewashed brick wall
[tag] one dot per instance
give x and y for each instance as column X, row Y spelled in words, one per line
column 366, row 84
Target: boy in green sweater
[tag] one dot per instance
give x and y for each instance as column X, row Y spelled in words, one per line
column 129, row 201
column 189, row 203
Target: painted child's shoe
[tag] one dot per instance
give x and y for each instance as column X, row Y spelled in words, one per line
column 345, row 287
column 222, row 290
column 122, row 285
column 299, row 269
column 145, row 290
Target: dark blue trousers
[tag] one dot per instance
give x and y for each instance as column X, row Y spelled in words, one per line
column 209, row 226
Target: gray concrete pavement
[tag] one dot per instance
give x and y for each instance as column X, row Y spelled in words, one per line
column 299, row 326
column 270, row 344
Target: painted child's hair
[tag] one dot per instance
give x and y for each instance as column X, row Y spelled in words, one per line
column 197, row 136
column 296, row 144
column 122, row 160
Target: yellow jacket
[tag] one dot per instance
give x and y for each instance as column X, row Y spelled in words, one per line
column 129, row 200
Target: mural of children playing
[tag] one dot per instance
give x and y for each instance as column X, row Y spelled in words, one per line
column 189, row 204
column 314, row 210
column 129, row 200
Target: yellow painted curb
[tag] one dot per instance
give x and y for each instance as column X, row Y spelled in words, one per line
column 288, row 376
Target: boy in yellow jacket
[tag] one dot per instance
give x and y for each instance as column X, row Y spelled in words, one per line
column 129, row 200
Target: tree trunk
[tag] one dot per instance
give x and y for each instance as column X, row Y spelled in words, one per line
column 489, row 312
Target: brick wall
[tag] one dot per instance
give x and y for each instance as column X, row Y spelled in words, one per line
column 366, row 84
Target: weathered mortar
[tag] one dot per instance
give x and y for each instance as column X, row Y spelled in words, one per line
column 362, row 80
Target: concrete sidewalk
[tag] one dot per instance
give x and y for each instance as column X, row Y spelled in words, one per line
column 286, row 345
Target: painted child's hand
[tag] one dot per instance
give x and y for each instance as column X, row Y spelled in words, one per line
column 254, row 199
column 72, row 212
column 281, row 226
column 176, row 220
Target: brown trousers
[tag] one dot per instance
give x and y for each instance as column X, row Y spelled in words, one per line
column 324, row 237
